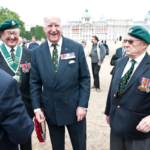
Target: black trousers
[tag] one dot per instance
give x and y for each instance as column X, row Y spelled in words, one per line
column 77, row 134
column 95, row 70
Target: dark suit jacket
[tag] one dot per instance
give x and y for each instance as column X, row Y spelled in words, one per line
column 62, row 92
column 15, row 125
column 134, row 104
column 119, row 52
column 24, row 88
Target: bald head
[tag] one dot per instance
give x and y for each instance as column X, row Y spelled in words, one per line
column 52, row 28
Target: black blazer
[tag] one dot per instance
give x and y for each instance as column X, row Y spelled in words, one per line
column 15, row 125
column 126, row 113
column 24, row 88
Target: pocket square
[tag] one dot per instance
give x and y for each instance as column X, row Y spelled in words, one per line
column 71, row 61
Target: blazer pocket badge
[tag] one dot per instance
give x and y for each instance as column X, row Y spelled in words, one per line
column 144, row 84
column 25, row 67
column 71, row 61
column 68, row 56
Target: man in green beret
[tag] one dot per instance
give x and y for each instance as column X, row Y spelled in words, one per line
column 16, row 61
column 128, row 102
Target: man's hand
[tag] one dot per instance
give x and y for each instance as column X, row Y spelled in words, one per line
column 80, row 112
column 108, row 119
column 144, row 125
column 39, row 116
column 99, row 63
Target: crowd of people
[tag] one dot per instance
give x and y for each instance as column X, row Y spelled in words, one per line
column 51, row 82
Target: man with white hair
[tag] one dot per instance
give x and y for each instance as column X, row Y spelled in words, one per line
column 59, row 65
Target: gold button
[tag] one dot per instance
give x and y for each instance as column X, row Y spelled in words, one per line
column 114, row 95
column 118, row 106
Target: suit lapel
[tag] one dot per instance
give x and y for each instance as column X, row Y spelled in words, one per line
column 143, row 66
column 5, row 67
column 24, row 59
column 62, row 63
column 48, row 59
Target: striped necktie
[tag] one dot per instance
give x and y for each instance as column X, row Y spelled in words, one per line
column 12, row 54
column 125, row 79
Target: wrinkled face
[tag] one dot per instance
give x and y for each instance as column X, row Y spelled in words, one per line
column 83, row 44
column 53, row 29
column 93, row 40
column 33, row 39
column 10, row 39
column 136, row 48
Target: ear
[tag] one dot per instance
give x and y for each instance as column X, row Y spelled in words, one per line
column 145, row 45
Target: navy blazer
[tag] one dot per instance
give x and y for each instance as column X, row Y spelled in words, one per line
column 119, row 52
column 16, row 126
column 133, row 105
column 62, row 92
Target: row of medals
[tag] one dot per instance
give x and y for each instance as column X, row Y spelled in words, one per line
column 142, row 87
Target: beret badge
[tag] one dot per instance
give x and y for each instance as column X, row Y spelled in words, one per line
column 130, row 30
column 13, row 23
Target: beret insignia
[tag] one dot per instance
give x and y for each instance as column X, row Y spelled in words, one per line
column 130, row 30
column 13, row 23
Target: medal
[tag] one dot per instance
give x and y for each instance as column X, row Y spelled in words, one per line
column 17, row 78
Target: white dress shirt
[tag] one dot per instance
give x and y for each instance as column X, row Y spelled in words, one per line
column 59, row 44
column 86, row 52
column 9, row 48
column 129, row 64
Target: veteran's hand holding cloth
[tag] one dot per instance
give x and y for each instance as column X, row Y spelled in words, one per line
column 59, row 65
column 16, row 126
column 128, row 102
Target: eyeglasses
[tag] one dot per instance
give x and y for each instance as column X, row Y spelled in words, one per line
column 130, row 41
column 8, row 34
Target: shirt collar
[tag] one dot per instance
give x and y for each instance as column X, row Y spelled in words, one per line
column 139, row 59
column 9, row 48
column 59, row 42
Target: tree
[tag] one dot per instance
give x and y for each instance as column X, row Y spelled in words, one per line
column 38, row 32
column 5, row 13
column 28, row 35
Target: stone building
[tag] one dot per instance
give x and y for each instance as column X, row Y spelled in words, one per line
column 104, row 29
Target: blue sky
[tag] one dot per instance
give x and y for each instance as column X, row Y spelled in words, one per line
column 33, row 11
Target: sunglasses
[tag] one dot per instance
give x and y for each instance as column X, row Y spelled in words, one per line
column 130, row 41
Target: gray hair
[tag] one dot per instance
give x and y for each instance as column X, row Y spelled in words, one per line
column 84, row 42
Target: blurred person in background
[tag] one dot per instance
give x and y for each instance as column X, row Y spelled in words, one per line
column 42, row 40
column 85, row 50
column 33, row 44
column 97, row 57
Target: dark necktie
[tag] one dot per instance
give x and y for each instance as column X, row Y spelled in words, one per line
column 12, row 54
column 125, row 79
column 55, row 57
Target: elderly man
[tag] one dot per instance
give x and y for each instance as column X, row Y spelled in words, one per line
column 16, row 126
column 16, row 61
column 121, row 52
column 128, row 102
column 59, row 65
column 33, row 44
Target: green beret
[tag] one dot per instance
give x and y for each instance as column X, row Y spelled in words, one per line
column 9, row 24
column 140, row 33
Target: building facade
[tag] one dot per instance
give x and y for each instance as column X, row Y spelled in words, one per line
column 104, row 29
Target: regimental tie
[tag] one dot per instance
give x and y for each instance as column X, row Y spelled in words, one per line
column 12, row 54
column 55, row 57
column 125, row 78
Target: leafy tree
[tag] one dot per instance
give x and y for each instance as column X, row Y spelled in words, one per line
column 28, row 35
column 38, row 32
column 5, row 13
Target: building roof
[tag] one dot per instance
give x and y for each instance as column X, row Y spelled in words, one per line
column 86, row 13
column 147, row 15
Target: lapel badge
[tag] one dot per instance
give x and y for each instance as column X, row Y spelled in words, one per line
column 130, row 30
column 13, row 23
column 66, row 48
